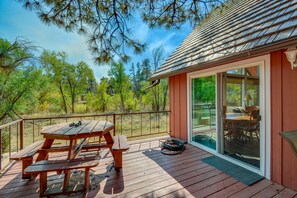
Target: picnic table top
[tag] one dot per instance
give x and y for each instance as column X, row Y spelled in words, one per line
column 88, row 128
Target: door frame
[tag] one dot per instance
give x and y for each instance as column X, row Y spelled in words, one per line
column 265, row 109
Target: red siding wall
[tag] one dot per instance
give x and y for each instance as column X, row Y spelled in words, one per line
column 283, row 118
column 178, row 106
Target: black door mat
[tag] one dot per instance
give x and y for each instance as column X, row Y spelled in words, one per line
column 241, row 174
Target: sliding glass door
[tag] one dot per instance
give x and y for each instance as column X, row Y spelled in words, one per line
column 241, row 116
column 204, row 111
column 225, row 110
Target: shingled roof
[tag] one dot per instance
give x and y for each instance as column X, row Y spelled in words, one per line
column 242, row 29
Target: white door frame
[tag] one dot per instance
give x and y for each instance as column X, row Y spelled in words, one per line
column 264, row 63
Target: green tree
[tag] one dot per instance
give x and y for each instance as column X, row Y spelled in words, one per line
column 108, row 24
column 122, row 88
column 17, row 77
column 71, row 80
column 16, row 54
column 100, row 101
column 16, row 90
column 77, row 79
column 55, row 65
column 133, row 78
column 146, row 71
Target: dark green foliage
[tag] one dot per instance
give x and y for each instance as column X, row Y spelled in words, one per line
column 17, row 77
column 71, row 80
column 204, row 89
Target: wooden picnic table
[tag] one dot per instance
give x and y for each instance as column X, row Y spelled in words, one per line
column 63, row 131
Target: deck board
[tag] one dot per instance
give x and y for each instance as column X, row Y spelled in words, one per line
column 148, row 173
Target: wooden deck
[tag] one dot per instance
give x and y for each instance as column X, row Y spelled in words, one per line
column 148, row 173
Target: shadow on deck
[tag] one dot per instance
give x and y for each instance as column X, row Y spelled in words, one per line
column 148, row 173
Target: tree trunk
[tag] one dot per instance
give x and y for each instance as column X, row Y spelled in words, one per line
column 73, row 102
column 122, row 102
column 63, row 98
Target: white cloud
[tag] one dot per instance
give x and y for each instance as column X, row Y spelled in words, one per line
column 100, row 71
column 162, row 42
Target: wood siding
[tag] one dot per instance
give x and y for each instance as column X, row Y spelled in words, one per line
column 283, row 118
column 178, row 106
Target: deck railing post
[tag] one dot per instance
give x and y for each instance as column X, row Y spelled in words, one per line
column 21, row 134
column 114, row 124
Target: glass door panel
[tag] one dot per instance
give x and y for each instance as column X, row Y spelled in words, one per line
column 204, row 111
column 241, row 119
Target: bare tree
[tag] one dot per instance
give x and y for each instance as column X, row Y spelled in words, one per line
column 160, row 92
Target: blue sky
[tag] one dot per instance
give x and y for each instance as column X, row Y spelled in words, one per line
column 15, row 22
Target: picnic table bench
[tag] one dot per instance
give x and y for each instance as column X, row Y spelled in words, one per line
column 120, row 145
column 45, row 166
column 26, row 156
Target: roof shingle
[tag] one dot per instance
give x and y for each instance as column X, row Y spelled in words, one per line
column 239, row 27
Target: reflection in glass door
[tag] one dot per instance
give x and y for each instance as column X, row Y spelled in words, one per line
column 241, row 119
column 204, row 111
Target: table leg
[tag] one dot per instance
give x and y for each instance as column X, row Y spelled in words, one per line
column 71, row 149
column 87, row 179
column 109, row 140
column 43, row 154
column 70, row 156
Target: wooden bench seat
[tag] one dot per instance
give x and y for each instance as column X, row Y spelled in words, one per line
column 119, row 146
column 26, row 156
column 86, row 147
column 45, row 166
